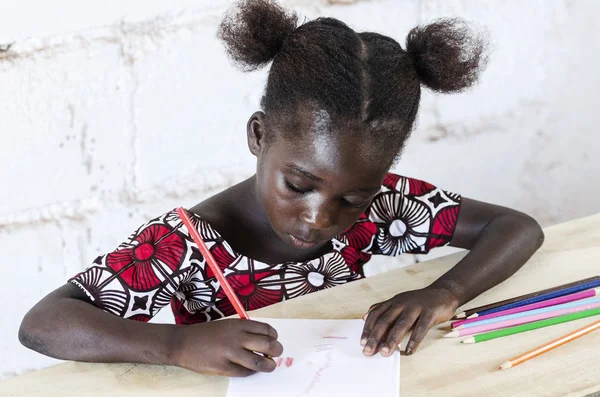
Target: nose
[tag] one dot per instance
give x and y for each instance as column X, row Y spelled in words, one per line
column 320, row 215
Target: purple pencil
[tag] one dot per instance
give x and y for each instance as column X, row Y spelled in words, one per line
column 550, row 302
column 521, row 320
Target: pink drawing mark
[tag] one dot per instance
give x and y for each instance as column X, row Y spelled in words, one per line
column 317, row 377
column 287, row 361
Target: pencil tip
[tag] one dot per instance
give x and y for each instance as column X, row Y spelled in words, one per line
column 459, row 316
column 506, row 365
column 452, row 334
column 468, row 341
column 473, row 316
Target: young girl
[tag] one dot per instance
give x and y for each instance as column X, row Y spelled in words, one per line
column 338, row 108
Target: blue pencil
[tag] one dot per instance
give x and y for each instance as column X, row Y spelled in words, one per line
column 543, row 297
column 530, row 312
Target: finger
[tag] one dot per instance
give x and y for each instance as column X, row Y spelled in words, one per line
column 423, row 325
column 400, row 328
column 236, row 371
column 263, row 344
column 254, row 362
column 370, row 321
column 255, row 327
column 364, row 317
column 380, row 329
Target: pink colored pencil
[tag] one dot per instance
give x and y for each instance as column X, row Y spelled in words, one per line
column 518, row 321
column 550, row 302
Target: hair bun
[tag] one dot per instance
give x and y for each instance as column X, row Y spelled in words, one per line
column 254, row 32
column 447, row 55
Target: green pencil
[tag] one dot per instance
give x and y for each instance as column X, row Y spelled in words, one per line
column 531, row 326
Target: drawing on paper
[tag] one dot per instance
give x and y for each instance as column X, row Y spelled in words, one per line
column 322, row 358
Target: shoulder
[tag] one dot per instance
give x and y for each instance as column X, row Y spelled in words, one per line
column 405, row 185
column 226, row 210
column 407, row 215
column 409, row 197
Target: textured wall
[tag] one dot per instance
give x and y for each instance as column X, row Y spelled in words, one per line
column 114, row 113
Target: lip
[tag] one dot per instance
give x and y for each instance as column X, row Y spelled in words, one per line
column 300, row 243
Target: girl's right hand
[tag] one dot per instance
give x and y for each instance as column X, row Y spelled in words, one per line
column 227, row 347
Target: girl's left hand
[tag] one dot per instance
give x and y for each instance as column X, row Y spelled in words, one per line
column 388, row 322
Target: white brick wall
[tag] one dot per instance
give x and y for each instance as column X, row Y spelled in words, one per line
column 101, row 103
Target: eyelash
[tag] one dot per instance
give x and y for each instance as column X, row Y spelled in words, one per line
column 296, row 189
column 352, row 205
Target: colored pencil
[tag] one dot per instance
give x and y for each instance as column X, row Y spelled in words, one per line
column 533, row 306
column 470, row 312
column 543, row 297
column 531, row 326
column 583, row 302
column 513, row 362
column 237, row 305
column 521, row 320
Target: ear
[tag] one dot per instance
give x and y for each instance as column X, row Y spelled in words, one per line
column 255, row 131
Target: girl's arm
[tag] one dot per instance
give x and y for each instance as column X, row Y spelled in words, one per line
column 500, row 241
column 67, row 326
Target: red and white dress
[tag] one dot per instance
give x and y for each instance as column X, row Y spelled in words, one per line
column 160, row 264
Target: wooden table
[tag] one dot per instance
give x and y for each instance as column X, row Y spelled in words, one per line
column 441, row 367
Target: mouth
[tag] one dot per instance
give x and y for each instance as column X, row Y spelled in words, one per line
column 300, row 243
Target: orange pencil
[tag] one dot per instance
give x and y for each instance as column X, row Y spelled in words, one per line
column 237, row 305
column 513, row 362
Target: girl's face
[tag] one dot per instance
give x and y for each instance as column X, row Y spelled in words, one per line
column 315, row 185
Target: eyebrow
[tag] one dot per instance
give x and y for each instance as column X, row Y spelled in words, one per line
column 301, row 171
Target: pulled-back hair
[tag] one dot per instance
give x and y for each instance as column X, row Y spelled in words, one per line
column 363, row 77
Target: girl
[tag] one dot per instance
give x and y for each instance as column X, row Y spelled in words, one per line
column 338, row 108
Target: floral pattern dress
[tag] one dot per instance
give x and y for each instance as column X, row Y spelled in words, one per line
column 159, row 264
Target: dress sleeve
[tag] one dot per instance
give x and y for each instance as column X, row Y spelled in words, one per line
column 406, row 216
column 143, row 274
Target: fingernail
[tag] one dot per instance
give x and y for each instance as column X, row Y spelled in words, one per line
column 365, row 316
column 408, row 351
column 385, row 350
column 367, row 349
column 363, row 342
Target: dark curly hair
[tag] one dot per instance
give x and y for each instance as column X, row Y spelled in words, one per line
column 364, row 77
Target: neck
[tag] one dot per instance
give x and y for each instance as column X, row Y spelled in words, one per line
column 255, row 211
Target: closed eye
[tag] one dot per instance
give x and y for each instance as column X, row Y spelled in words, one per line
column 295, row 188
column 354, row 205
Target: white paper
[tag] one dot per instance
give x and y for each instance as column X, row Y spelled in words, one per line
column 322, row 358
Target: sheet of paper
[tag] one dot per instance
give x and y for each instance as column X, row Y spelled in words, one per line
column 322, row 358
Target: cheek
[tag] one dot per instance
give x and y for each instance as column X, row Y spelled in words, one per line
column 277, row 200
column 347, row 219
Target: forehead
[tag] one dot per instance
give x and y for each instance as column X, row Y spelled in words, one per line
column 331, row 151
